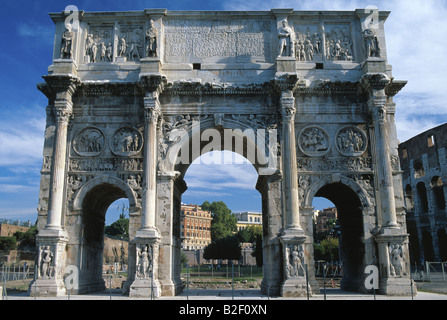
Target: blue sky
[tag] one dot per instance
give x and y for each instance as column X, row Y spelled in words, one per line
column 417, row 48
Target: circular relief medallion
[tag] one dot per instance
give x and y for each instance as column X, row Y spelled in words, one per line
column 351, row 141
column 89, row 142
column 313, row 141
column 126, row 142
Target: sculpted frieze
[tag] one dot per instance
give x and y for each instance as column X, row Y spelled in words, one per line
column 340, row 164
column 105, row 164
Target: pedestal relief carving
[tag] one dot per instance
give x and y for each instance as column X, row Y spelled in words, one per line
column 294, row 260
column 126, row 142
column 397, row 260
column 314, row 141
column 351, row 141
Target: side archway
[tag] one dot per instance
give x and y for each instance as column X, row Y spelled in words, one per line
column 353, row 209
column 91, row 203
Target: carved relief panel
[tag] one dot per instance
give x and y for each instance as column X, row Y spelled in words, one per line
column 131, row 42
column 126, row 141
column 339, row 43
column 351, row 141
column 99, row 44
column 89, row 142
column 309, row 43
column 314, row 141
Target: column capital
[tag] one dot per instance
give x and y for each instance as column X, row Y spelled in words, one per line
column 59, row 87
column 373, row 82
column 285, row 82
column 150, row 83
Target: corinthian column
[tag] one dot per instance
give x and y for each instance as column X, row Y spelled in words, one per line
column 289, row 165
column 62, row 88
column 151, row 113
column 286, row 84
column 377, row 104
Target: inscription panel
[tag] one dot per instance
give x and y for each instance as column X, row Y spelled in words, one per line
column 210, row 41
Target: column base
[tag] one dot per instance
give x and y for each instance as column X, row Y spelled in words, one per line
column 292, row 288
column 47, row 288
column 145, row 288
column 397, row 287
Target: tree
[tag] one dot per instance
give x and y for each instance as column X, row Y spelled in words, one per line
column 327, row 250
column 8, row 243
column 224, row 248
column 224, row 222
column 257, row 253
column 119, row 228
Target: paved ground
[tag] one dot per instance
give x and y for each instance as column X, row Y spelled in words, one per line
column 246, row 294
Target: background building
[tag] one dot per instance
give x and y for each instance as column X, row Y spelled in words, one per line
column 424, row 164
column 246, row 219
column 195, row 227
column 323, row 217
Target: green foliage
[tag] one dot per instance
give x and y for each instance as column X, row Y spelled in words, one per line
column 224, row 222
column 26, row 239
column 223, row 248
column 250, row 234
column 119, row 228
column 8, row 243
column 327, row 250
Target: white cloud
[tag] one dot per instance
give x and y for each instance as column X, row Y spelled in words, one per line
column 416, row 49
column 21, row 142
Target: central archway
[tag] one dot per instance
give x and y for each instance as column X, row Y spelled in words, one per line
column 240, row 138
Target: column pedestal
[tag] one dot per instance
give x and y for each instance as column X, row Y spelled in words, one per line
column 295, row 282
column 50, row 264
column 146, row 284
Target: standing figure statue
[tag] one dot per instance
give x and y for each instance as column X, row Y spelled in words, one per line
column 151, row 40
column 67, row 44
column 371, row 43
column 286, row 42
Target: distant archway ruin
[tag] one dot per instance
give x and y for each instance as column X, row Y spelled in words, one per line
column 135, row 97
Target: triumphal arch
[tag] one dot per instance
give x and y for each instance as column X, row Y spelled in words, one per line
column 135, row 97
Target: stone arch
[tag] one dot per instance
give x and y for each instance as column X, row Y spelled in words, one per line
column 310, row 193
column 354, row 211
column 91, row 203
column 264, row 158
column 126, row 190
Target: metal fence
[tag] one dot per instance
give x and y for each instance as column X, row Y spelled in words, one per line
column 15, row 272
